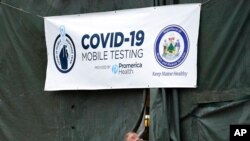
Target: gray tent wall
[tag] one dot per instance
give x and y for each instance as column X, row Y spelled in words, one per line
column 205, row 113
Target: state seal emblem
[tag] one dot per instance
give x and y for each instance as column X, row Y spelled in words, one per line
column 171, row 46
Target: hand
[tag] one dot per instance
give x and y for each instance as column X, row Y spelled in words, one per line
column 64, row 57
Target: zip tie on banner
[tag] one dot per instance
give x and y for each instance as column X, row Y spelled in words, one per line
column 19, row 9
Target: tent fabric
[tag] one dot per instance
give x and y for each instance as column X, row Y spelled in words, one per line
column 213, row 121
column 222, row 97
column 164, row 115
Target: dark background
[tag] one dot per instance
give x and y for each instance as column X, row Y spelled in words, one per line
column 205, row 113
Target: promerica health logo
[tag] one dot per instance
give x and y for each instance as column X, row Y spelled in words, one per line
column 64, row 52
column 125, row 69
column 171, row 46
column 115, row 69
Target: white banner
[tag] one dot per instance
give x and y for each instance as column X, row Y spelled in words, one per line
column 138, row 48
